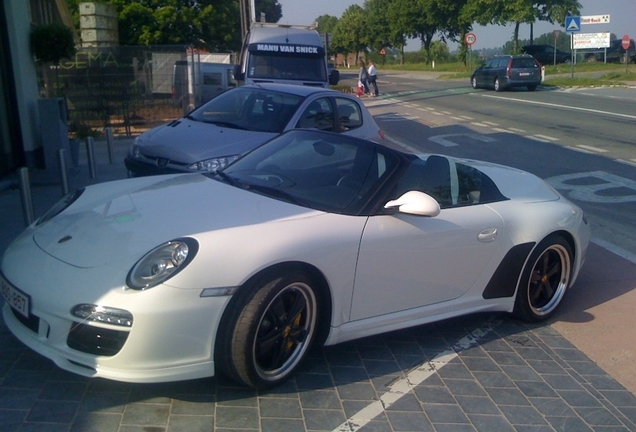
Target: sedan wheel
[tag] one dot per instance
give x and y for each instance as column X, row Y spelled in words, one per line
column 497, row 85
column 473, row 82
column 545, row 279
column 271, row 333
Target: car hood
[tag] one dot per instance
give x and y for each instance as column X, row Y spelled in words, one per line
column 128, row 218
column 190, row 141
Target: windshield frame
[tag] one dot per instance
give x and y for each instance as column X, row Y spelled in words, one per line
column 306, row 168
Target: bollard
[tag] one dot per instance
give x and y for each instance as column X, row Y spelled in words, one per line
column 109, row 143
column 90, row 152
column 25, row 193
column 61, row 157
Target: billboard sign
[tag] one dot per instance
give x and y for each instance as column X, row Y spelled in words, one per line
column 590, row 40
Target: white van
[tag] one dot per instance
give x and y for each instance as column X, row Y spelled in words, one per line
column 284, row 54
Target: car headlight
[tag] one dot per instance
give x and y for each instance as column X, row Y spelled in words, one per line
column 134, row 151
column 162, row 263
column 60, row 206
column 214, row 164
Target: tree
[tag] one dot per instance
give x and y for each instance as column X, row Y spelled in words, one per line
column 326, row 24
column 271, row 8
column 504, row 12
column 51, row 43
column 207, row 24
column 349, row 35
column 418, row 19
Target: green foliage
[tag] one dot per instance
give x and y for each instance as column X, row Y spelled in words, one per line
column 349, row 35
column 326, row 23
column 208, row 24
column 51, row 43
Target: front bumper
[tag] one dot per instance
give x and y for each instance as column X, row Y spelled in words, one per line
column 171, row 338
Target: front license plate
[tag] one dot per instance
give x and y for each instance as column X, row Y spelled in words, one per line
column 15, row 298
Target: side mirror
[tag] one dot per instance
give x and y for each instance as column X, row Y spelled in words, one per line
column 334, row 77
column 415, row 203
column 238, row 75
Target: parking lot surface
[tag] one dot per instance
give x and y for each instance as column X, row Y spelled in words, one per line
column 484, row 372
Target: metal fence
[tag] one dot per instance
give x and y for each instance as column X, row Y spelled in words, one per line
column 126, row 88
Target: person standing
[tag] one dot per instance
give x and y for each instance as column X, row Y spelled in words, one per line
column 363, row 77
column 373, row 78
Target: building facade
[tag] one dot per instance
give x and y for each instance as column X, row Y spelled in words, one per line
column 20, row 138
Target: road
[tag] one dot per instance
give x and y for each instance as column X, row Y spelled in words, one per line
column 583, row 141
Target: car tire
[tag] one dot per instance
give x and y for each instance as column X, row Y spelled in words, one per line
column 269, row 332
column 497, row 85
column 532, row 87
column 473, row 82
column 544, row 281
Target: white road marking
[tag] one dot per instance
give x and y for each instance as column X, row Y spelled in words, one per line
column 414, row 378
column 602, row 181
column 615, row 249
column 517, row 130
column 444, row 141
column 557, row 106
column 490, row 123
column 546, row 137
column 592, row 149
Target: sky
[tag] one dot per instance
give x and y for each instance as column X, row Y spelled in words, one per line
column 622, row 20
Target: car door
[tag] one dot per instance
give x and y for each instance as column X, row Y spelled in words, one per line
column 407, row 261
column 482, row 73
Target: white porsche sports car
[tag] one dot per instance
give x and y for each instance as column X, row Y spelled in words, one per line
column 311, row 238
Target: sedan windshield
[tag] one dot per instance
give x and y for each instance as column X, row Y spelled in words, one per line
column 251, row 109
column 328, row 172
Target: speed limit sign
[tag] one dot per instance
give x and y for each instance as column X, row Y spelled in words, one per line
column 470, row 38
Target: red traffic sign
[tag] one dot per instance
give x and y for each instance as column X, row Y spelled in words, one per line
column 626, row 42
column 556, row 34
column 470, row 38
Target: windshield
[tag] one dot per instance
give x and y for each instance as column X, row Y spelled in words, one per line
column 286, row 67
column 253, row 109
column 327, row 172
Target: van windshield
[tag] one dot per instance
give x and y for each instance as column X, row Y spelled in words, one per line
column 286, row 67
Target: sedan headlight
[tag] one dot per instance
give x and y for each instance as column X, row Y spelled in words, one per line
column 162, row 263
column 214, row 164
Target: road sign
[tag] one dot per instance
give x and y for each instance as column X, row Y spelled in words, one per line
column 470, row 39
column 573, row 24
column 595, row 19
column 591, row 40
column 382, row 52
column 556, row 34
column 626, row 42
